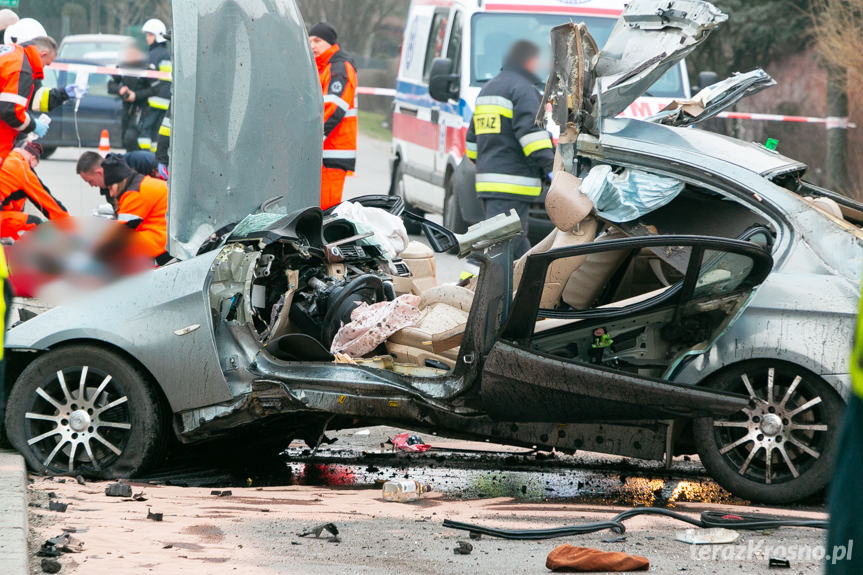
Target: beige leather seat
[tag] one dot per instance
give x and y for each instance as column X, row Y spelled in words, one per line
column 437, row 335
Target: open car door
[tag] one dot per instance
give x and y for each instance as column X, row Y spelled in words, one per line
column 609, row 361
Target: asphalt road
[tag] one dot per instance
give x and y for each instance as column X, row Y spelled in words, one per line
column 372, row 177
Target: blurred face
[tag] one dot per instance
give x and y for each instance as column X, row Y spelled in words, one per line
column 131, row 54
column 95, row 177
column 532, row 65
column 150, row 38
column 114, row 190
column 319, row 46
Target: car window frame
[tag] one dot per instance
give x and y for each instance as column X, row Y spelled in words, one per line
column 440, row 21
column 525, row 310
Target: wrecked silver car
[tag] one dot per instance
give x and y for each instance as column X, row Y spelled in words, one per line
column 696, row 295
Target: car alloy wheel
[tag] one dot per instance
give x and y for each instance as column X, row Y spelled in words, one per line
column 85, row 409
column 780, row 448
column 77, row 418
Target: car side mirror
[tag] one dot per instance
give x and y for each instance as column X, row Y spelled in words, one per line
column 704, row 79
column 443, row 84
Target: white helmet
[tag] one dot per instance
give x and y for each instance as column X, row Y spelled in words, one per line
column 155, row 27
column 23, row 31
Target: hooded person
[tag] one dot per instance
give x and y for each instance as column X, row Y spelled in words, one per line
column 140, row 202
column 339, row 86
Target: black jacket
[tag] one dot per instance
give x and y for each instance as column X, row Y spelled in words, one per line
column 159, row 54
column 513, row 154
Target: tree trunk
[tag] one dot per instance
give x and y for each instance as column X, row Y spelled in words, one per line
column 837, row 130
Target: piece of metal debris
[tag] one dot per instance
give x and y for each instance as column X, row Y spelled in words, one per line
column 474, row 535
column 225, row 493
column 80, row 479
column 54, row 505
column 118, row 490
column 464, row 548
column 318, row 529
column 711, row 536
column 139, row 497
column 154, row 516
column 779, row 563
column 619, row 539
column 51, row 565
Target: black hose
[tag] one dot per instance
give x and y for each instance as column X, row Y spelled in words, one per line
column 708, row 519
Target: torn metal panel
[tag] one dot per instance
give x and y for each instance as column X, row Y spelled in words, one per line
column 713, row 99
column 650, row 38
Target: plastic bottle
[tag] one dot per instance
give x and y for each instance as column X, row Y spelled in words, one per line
column 32, row 136
column 404, row 490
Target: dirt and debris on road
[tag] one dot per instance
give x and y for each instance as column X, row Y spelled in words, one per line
column 255, row 531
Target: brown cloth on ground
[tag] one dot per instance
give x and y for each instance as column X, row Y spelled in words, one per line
column 569, row 558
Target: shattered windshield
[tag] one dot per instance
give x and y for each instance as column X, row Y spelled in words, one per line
column 493, row 34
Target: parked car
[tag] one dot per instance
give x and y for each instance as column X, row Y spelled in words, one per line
column 718, row 323
column 470, row 39
column 97, row 111
column 101, row 49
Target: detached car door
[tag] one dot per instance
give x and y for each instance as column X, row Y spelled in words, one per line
column 651, row 302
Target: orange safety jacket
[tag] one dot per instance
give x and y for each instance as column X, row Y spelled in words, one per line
column 339, row 85
column 142, row 207
column 20, row 76
column 19, row 183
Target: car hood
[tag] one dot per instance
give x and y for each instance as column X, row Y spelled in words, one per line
column 650, row 37
column 247, row 115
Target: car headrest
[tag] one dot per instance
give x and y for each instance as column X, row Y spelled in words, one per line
column 565, row 204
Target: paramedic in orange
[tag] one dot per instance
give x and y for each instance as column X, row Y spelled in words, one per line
column 20, row 78
column 18, row 184
column 140, row 202
column 339, row 84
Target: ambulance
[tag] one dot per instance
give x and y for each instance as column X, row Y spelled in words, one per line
column 473, row 36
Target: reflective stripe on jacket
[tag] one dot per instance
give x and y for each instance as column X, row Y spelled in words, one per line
column 339, row 86
column 857, row 357
column 513, row 155
column 20, row 76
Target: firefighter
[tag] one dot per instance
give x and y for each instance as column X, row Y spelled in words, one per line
column 18, row 184
column 140, row 202
column 156, row 93
column 514, row 156
column 339, row 84
column 20, row 79
column 126, row 87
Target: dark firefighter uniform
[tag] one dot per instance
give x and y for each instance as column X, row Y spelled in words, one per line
column 513, row 155
column 339, row 85
column 130, row 124
column 845, row 501
column 18, row 184
column 157, row 94
column 20, row 87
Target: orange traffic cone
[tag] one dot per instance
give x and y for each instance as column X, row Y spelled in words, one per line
column 104, row 144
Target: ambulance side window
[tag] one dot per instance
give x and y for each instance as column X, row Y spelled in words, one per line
column 434, row 49
column 453, row 50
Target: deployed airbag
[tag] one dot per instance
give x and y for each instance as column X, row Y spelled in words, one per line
column 628, row 195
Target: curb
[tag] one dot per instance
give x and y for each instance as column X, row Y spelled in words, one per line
column 14, row 559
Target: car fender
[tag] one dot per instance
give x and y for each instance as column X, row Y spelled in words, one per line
column 161, row 318
column 464, row 186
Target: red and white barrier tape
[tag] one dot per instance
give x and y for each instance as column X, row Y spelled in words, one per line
column 831, row 122
column 111, row 71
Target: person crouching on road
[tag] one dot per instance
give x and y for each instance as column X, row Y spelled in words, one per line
column 18, row 184
column 140, row 202
column 513, row 155
column 339, row 84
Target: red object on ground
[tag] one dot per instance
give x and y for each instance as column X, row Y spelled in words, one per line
column 407, row 442
column 572, row 559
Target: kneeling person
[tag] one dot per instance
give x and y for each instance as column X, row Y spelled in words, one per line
column 20, row 184
column 140, row 202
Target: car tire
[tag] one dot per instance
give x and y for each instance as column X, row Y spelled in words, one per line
column 397, row 188
column 795, row 416
column 48, row 151
column 117, row 430
column 452, row 218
